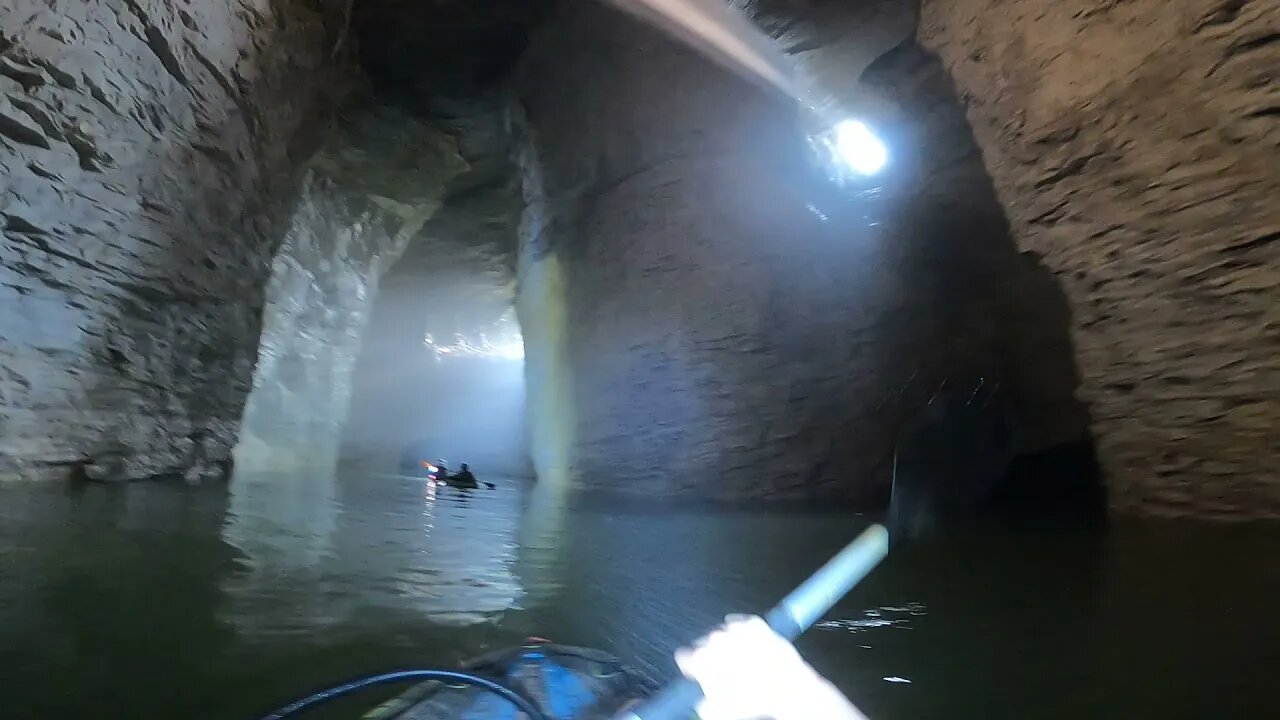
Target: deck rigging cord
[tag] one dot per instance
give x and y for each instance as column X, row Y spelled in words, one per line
column 337, row 691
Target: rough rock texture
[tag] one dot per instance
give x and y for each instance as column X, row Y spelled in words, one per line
column 1136, row 146
column 647, row 199
column 706, row 315
column 147, row 151
column 378, row 180
column 972, row 310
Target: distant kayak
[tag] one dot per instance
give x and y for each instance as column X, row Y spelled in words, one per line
column 565, row 683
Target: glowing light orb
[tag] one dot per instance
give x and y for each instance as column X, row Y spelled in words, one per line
column 859, row 148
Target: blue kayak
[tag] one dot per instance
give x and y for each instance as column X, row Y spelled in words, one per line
column 564, row 682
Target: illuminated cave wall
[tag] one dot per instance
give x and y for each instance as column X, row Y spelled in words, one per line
column 542, row 306
column 149, row 156
column 378, row 180
column 716, row 319
column 1136, row 146
column 1133, row 148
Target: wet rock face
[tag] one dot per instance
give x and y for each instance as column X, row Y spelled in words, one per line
column 660, row 225
column 147, row 156
column 1135, row 147
column 380, row 176
column 324, row 279
column 714, row 319
column 976, row 316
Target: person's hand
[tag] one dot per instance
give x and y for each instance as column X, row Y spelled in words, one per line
column 747, row 671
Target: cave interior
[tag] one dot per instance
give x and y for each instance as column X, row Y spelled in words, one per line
column 553, row 239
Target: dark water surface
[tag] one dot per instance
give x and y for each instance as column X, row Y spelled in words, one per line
column 162, row 601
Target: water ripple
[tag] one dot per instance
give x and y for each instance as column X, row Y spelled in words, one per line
column 886, row 616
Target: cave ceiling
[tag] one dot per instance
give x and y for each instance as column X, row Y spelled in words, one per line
column 448, row 47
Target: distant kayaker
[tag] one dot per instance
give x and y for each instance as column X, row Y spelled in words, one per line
column 464, row 477
column 747, row 671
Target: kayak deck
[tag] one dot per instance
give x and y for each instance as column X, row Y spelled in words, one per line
column 565, row 682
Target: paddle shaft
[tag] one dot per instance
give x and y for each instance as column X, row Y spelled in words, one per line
column 789, row 618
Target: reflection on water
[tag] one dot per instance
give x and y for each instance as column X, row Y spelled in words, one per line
column 163, row 601
column 899, row 617
column 441, row 554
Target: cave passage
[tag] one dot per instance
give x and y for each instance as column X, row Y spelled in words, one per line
column 441, row 377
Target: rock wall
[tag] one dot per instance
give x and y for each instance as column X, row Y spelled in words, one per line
column 147, row 157
column 998, row 316
column 322, row 281
column 985, row 327
column 542, row 305
column 1135, row 147
column 707, row 315
column 649, row 208
column 379, row 178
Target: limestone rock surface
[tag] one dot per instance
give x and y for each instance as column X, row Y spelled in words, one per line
column 1136, row 148
column 147, row 164
column 377, row 181
column 709, row 316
